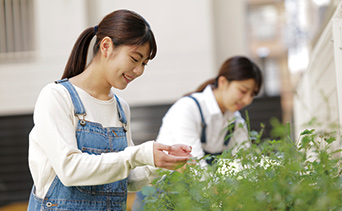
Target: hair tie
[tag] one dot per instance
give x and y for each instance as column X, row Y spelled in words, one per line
column 95, row 29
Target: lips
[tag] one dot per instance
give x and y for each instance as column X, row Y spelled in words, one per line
column 239, row 106
column 127, row 78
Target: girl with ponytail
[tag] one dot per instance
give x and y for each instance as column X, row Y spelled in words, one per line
column 81, row 155
column 201, row 118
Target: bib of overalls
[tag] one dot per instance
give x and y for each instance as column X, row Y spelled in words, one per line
column 94, row 139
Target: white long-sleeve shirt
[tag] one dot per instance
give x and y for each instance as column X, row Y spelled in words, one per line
column 182, row 125
column 53, row 146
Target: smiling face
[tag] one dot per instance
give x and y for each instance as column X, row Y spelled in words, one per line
column 126, row 63
column 234, row 95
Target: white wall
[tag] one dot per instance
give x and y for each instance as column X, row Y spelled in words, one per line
column 186, row 34
column 185, row 49
column 229, row 24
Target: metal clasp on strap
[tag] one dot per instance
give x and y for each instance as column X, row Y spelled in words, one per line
column 124, row 127
column 81, row 118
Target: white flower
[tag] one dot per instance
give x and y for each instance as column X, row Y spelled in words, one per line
column 228, row 167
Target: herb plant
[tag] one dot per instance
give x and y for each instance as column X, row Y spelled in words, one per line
column 274, row 174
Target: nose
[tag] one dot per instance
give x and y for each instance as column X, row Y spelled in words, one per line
column 138, row 70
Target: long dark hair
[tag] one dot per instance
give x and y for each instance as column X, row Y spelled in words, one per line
column 236, row 68
column 124, row 27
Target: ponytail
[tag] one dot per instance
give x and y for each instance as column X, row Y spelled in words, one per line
column 205, row 84
column 78, row 57
column 202, row 86
column 236, row 68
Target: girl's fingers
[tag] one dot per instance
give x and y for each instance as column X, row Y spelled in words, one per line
column 175, row 159
column 186, row 148
column 171, row 162
column 180, row 150
column 162, row 147
column 178, row 155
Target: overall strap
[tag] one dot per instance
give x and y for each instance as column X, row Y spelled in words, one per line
column 78, row 105
column 204, row 125
column 122, row 116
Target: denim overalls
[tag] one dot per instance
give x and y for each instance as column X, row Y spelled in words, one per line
column 92, row 138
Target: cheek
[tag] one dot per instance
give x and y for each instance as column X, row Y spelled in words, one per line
column 248, row 100
column 113, row 73
column 230, row 96
column 237, row 95
column 251, row 100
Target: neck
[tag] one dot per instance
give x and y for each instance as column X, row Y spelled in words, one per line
column 91, row 81
column 218, row 99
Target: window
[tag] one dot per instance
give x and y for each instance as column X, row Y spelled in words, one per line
column 264, row 22
column 16, row 30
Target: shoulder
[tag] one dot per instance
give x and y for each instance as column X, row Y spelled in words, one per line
column 53, row 99
column 122, row 101
column 186, row 103
column 124, row 104
column 53, row 90
column 184, row 109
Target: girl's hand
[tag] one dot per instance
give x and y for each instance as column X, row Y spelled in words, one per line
column 180, row 150
column 177, row 157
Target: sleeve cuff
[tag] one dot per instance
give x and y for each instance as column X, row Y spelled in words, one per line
column 146, row 156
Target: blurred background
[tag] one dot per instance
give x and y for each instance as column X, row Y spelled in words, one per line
column 297, row 44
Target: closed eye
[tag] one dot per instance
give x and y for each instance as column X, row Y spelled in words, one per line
column 243, row 91
column 135, row 60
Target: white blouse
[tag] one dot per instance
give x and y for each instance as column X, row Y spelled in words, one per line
column 53, row 146
column 182, row 125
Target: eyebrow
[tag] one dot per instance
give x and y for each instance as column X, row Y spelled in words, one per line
column 139, row 54
column 246, row 87
column 254, row 91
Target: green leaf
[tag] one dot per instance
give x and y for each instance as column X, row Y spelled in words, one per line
column 307, row 132
column 330, row 140
column 306, row 140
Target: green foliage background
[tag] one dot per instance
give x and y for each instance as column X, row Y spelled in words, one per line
column 277, row 174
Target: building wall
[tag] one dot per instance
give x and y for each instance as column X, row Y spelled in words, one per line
column 186, row 33
column 56, row 26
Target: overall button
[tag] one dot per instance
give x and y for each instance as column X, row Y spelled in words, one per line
column 49, row 204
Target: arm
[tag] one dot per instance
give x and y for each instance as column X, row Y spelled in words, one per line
column 54, row 135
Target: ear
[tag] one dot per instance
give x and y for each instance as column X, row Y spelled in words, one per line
column 222, row 82
column 106, row 46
